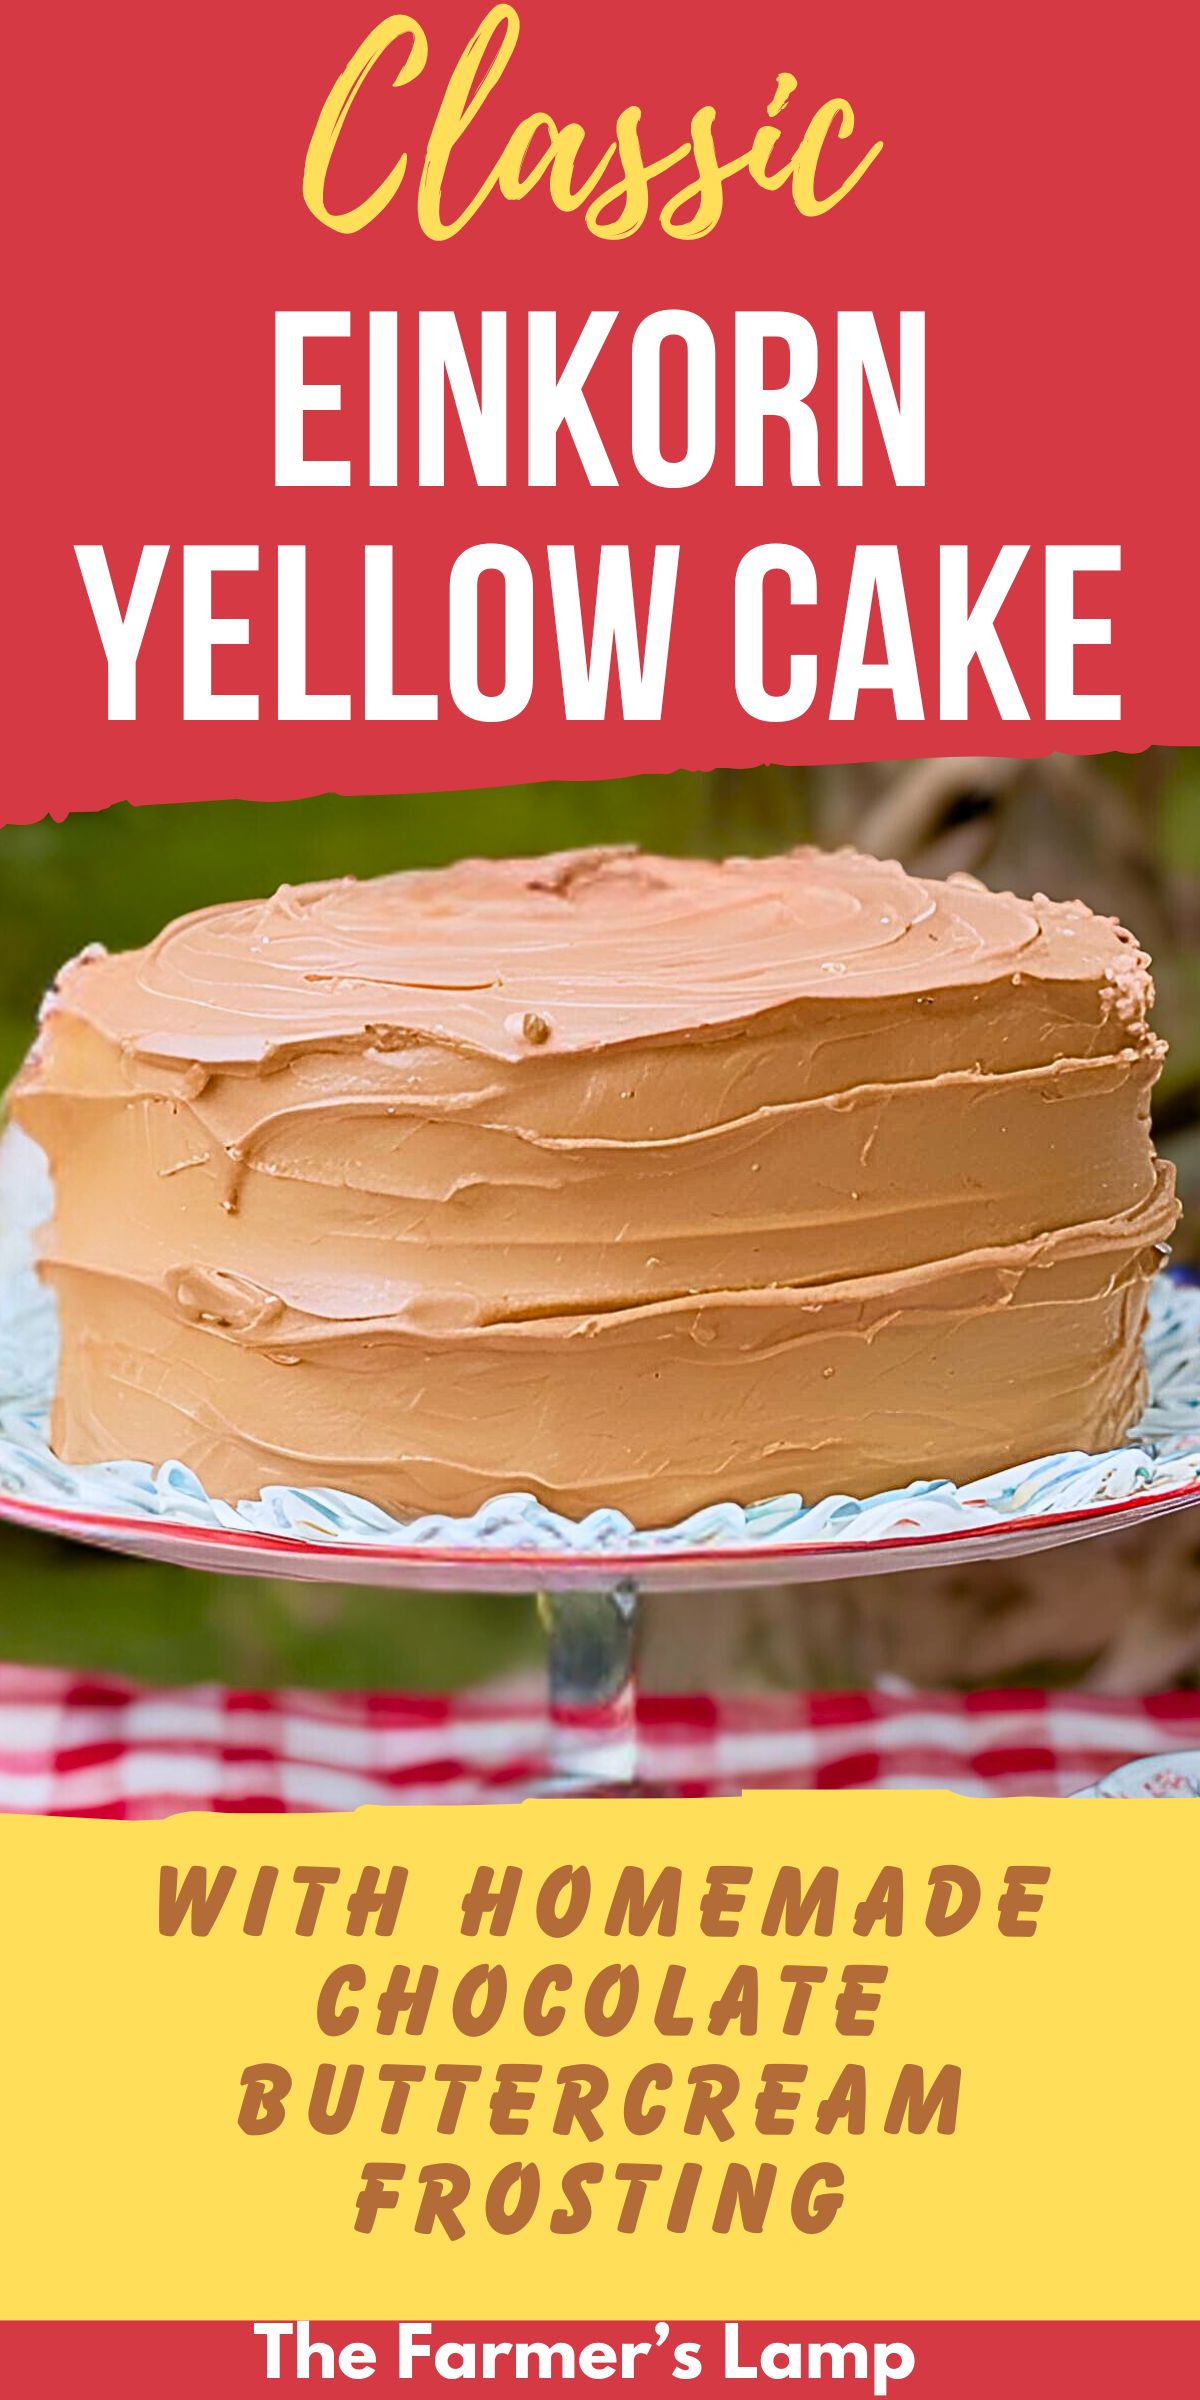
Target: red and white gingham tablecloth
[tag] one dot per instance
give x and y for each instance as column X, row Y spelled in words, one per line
column 75, row 1745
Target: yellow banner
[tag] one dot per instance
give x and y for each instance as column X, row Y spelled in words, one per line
column 853, row 2055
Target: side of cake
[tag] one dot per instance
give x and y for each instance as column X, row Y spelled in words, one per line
column 622, row 1180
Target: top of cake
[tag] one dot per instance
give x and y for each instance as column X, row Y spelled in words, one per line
column 581, row 951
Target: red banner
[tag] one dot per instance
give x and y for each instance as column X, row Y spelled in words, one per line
column 933, row 2362
column 491, row 395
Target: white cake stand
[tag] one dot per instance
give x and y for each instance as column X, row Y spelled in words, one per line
column 587, row 1604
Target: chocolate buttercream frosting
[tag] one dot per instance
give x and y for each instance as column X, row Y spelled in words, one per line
column 613, row 1178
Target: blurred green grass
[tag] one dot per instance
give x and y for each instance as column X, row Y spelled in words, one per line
column 62, row 1605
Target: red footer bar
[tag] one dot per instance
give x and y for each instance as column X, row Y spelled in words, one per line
column 935, row 2361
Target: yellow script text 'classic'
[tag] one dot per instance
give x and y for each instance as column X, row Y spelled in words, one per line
column 614, row 193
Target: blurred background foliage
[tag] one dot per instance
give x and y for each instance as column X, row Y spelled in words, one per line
column 1122, row 832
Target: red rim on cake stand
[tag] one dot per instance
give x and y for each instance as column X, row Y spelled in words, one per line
column 587, row 1602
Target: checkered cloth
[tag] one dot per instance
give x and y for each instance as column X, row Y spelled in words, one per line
column 73, row 1745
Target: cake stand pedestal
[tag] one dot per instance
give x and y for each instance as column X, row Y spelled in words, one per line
column 591, row 1679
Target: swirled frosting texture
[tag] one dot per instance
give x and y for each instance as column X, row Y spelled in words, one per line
column 609, row 1177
